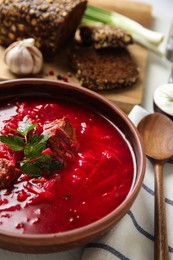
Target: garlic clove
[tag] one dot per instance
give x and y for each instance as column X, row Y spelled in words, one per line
column 20, row 61
column 37, row 59
column 26, row 62
column 23, row 57
column 26, row 42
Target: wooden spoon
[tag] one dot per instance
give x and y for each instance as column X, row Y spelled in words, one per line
column 156, row 131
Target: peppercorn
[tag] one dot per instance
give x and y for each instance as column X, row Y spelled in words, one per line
column 51, row 72
column 65, row 79
column 59, row 76
column 69, row 74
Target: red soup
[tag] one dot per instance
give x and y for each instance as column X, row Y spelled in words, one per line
column 80, row 172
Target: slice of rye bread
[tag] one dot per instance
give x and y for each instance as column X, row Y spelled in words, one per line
column 104, row 69
column 104, row 36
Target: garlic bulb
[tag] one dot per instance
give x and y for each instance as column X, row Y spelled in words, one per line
column 23, row 58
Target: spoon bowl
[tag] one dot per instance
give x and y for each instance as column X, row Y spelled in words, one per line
column 156, row 131
column 157, row 134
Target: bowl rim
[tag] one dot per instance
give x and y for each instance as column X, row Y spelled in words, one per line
column 109, row 219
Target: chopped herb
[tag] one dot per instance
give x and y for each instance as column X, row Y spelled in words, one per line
column 35, row 146
column 15, row 143
column 170, row 98
column 24, row 128
column 34, row 162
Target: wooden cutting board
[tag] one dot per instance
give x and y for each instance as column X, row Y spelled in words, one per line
column 125, row 98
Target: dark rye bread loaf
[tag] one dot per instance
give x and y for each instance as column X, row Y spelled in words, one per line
column 52, row 23
column 104, row 69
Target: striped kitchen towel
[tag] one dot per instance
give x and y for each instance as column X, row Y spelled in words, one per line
column 133, row 237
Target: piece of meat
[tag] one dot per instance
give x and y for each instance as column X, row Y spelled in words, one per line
column 62, row 143
column 8, row 173
column 62, row 139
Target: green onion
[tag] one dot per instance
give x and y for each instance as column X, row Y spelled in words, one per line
column 150, row 39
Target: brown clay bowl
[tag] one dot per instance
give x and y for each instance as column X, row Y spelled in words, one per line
column 61, row 241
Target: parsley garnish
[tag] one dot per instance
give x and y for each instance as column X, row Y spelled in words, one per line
column 34, row 162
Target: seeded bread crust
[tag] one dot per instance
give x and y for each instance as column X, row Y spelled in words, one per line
column 104, row 69
column 52, row 23
column 104, row 36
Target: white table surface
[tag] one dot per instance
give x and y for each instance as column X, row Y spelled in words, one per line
column 157, row 73
column 158, row 70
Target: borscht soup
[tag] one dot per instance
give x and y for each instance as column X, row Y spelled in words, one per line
column 62, row 166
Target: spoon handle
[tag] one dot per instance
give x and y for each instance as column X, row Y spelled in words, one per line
column 161, row 242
